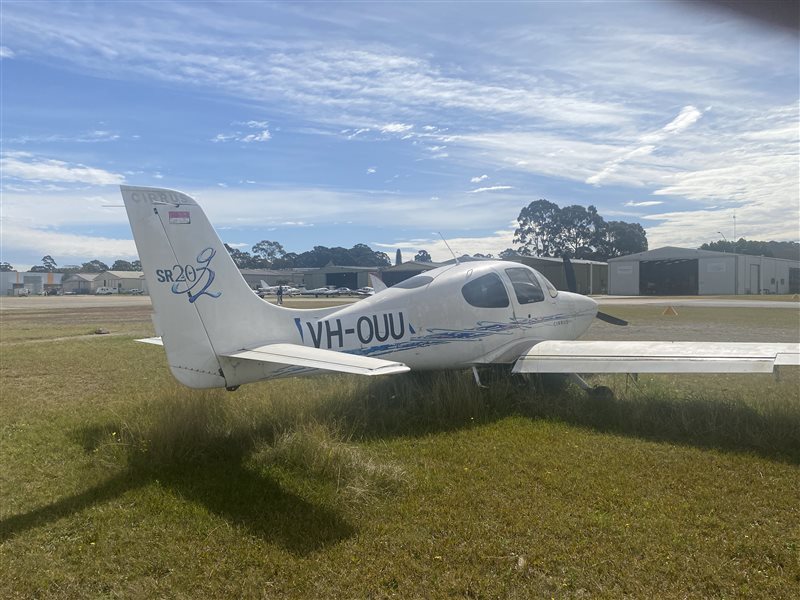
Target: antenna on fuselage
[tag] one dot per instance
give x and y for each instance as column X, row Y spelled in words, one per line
column 448, row 246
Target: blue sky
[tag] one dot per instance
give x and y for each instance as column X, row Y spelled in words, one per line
column 385, row 123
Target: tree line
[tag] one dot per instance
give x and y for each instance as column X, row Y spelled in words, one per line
column 790, row 250
column 545, row 229
column 267, row 254
column 93, row 266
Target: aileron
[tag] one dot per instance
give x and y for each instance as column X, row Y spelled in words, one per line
column 656, row 357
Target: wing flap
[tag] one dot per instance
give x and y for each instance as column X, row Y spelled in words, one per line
column 317, row 358
column 656, row 357
column 152, row 340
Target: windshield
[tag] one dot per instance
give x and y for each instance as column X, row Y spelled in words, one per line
column 526, row 287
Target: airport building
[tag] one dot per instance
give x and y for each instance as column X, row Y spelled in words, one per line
column 121, row 281
column 78, row 283
column 397, row 273
column 336, row 276
column 591, row 276
column 254, row 277
column 671, row 271
column 14, row 283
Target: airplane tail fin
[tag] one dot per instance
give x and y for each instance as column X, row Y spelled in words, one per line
column 203, row 307
column 377, row 283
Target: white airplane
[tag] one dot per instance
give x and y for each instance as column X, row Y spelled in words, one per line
column 322, row 291
column 217, row 333
column 266, row 290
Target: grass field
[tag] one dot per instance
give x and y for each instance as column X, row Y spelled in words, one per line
column 117, row 482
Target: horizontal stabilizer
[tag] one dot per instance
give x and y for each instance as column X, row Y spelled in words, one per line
column 656, row 357
column 317, row 358
column 153, row 340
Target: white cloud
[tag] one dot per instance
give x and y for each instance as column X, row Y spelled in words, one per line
column 493, row 243
column 6, row 52
column 479, row 178
column 260, row 136
column 494, row 188
column 646, row 144
column 371, row 170
column 396, row 128
column 22, row 165
column 266, row 207
column 644, row 203
column 688, row 116
column 754, row 221
column 87, row 137
column 64, row 244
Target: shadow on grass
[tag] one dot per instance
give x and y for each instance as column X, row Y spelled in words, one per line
column 202, row 445
column 442, row 402
column 108, row 490
column 728, row 426
column 216, row 478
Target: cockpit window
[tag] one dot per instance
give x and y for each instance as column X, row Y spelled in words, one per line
column 414, row 282
column 486, row 291
column 551, row 289
column 526, row 288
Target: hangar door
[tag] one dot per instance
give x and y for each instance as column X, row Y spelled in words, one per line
column 676, row 277
column 348, row 280
column 794, row 280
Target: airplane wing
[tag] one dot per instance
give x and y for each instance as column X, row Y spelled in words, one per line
column 317, row 358
column 577, row 356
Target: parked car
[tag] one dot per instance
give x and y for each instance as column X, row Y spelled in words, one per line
column 104, row 291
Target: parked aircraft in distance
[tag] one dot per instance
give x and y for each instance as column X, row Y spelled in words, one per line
column 321, row 291
column 216, row 333
column 270, row 290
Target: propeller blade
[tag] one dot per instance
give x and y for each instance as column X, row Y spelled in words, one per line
column 609, row 319
column 569, row 274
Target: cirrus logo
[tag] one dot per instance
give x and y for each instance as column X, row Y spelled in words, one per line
column 193, row 280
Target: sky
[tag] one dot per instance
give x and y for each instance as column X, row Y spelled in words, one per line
column 312, row 123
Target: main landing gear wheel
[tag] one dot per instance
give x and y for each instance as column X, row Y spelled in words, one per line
column 601, row 392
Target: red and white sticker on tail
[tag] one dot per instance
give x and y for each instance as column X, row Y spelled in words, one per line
column 179, row 217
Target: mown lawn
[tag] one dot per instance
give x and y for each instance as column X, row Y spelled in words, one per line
column 116, row 482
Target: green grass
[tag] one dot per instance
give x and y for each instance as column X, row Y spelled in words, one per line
column 117, row 482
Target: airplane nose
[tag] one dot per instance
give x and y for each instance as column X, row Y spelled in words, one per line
column 584, row 304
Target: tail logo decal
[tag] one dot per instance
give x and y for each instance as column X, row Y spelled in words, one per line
column 180, row 217
column 193, row 280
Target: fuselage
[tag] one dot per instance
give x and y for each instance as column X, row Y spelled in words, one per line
column 451, row 317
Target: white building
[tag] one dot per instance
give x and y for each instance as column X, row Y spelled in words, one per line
column 13, row 283
column 121, row 281
column 683, row 272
